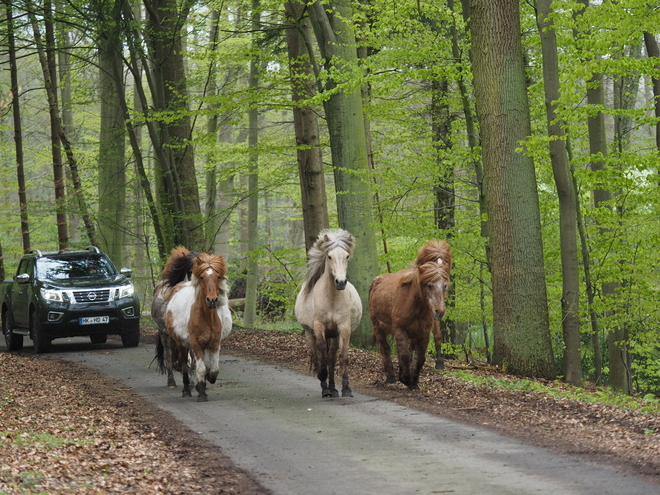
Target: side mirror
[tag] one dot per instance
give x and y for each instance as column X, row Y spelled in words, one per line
column 126, row 272
column 23, row 278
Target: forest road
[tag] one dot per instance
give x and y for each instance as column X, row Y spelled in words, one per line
column 273, row 422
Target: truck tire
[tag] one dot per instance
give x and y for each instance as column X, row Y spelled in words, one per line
column 40, row 342
column 131, row 339
column 12, row 341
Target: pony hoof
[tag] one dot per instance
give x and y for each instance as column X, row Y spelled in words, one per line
column 202, row 398
column 326, row 392
column 346, row 392
column 439, row 365
column 390, row 379
column 186, row 393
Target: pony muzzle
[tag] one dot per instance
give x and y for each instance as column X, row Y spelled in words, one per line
column 212, row 303
column 437, row 315
column 340, row 284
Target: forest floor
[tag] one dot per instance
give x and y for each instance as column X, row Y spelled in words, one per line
column 65, row 428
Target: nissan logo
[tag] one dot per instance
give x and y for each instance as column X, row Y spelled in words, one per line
column 91, row 296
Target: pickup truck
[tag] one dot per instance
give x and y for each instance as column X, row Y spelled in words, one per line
column 67, row 294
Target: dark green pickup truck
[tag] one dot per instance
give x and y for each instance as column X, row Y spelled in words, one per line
column 68, row 294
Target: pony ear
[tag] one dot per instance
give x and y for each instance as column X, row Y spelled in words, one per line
column 326, row 238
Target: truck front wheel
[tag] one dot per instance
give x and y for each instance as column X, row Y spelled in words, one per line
column 12, row 341
column 40, row 342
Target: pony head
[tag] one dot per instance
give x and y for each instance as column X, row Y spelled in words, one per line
column 331, row 252
column 433, row 264
column 208, row 274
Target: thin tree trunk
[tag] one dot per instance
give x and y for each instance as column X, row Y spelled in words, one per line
column 619, row 376
column 566, row 193
column 653, row 51
column 18, row 133
column 305, row 123
column 47, row 59
column 250, row 310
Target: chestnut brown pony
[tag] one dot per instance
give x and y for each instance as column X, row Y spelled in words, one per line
column 329, row 308
column 196, row 317
column 408, row 305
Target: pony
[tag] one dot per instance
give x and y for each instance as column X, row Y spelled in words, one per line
column 409, row 305
column 196, row 317
column 329, row 308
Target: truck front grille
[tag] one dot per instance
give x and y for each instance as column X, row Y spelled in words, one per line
column 91, row 296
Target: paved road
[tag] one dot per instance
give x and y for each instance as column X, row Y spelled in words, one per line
column 274, row 423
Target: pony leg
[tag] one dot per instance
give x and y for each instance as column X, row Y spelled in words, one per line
column 437, row 340
column 183, row 361
column 214, row 365
column 343, row 359
column 322, row 353
column 169, row 349
column 385, row 352
column 420, row 358
column 332, row 361
column 403, row 350
column 200, row 369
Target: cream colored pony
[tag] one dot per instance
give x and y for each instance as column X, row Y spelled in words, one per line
column 329, row 308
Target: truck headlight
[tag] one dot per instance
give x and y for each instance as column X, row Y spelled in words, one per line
column 54, row 295
column 126, row 291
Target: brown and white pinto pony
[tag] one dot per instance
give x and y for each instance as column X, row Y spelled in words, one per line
column 329, row 308
column 196, row 317
column 408, row 305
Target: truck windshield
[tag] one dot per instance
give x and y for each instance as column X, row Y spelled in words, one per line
column 72, row 268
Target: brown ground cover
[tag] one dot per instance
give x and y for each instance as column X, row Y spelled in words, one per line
column 64, row 427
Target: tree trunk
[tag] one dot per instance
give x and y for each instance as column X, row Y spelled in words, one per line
column 566, row 193
column 520, row 314
column 305, row 122
column 47, row 59
column 18, row 133
column 652, row 50
column 345, row 118
column 179, row 194
column 250, row 310
column 112, row 137
column 619, row 377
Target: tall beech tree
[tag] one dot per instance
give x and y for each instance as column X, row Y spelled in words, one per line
column 332, row 23
column 520, row 313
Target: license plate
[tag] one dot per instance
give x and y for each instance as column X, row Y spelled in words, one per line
column 94, row 320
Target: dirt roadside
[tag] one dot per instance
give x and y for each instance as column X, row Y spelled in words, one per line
column 96, row 436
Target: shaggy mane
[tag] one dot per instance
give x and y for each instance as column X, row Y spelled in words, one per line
column 326, row 241
column 433, row 262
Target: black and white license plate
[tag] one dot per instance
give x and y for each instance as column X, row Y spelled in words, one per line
column 94, row 320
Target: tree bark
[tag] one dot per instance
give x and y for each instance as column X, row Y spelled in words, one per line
column 112, row 137
column 250, row 310
column 305, row 123
column 572, row 367
column 343, row 110
column 619, row 377
column 179, row 194
column 520, row 314
column 18, row 132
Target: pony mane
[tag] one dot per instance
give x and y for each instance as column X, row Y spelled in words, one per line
column 433, row 262
column 326, row 241
column 178, row 267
